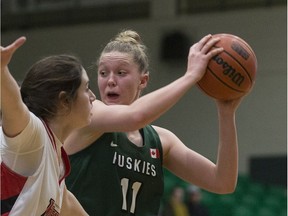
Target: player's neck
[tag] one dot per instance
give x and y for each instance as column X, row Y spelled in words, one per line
column 135, row 137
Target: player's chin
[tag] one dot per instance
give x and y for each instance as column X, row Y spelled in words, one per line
column 86, row 122
column 89, row 119
column 112, row 100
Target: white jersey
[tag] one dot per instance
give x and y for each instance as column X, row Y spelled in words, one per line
column 33, row 169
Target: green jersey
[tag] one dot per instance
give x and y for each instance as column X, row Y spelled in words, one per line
column 114, row 177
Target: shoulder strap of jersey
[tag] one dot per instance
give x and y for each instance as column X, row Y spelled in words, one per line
column 64, row 156
column 50, row 134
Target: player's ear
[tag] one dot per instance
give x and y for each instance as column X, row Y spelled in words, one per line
column 64, row 101
column 144, row 80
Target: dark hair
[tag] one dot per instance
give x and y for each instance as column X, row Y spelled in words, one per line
column 129, row 41
column 46, row 79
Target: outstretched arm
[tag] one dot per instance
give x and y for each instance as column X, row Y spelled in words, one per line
column 149, row 107
column 219, row 177
column 15, row 115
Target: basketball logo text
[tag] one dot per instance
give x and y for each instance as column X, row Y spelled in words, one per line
column 240, row 50
column 229, row 71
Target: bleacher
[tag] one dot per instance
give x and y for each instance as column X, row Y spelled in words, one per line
column 250, row 198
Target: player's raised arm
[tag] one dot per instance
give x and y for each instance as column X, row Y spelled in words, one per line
column 15, row 115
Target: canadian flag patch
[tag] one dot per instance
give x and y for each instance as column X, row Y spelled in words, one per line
column 154, row 153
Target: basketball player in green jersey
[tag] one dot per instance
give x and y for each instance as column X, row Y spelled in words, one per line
column 120, row 173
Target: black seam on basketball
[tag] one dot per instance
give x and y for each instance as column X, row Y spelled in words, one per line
column 239, row 64
column 223, row 82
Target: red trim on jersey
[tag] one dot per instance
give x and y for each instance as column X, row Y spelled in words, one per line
column 64, row 155
column 11, row 185
column 50, row 134
column 66, row 164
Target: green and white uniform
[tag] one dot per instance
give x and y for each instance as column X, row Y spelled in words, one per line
column 114, row 177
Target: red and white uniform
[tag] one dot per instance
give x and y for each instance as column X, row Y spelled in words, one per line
column 33, row 168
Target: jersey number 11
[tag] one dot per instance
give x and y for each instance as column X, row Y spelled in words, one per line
column 135, row 189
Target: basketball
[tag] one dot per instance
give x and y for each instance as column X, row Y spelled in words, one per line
column 230, row 74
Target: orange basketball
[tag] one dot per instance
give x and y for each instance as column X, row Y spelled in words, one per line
column 230, row 74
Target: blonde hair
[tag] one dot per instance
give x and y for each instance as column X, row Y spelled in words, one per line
column 129, row 41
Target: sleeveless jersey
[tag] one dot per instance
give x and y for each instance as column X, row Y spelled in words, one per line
column 42, row 192
column 114, row 177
